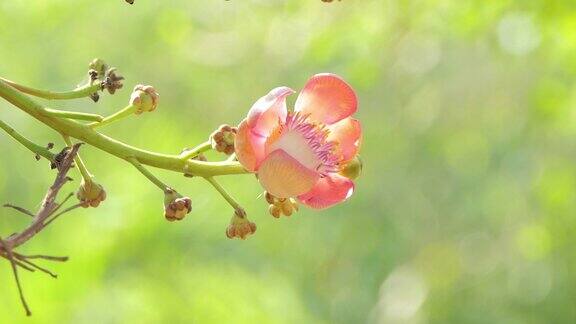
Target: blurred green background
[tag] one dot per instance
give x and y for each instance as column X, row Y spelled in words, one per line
column 465, row 213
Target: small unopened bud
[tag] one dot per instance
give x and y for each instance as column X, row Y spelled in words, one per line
column 281, row 206
column 176, row 207
column 352, row 169
column 145, row 98
column 269, row 198
column 222, row 139
column 99, row 66
column 90, row 194
column 274, row 210
column 240, row 226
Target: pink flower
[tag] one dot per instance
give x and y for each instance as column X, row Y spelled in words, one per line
column 299, row 154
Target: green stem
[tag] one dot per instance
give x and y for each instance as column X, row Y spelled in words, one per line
column 114, row 117
column 78, row 160
column 224, row 193
column 192, row 153
column 114, row 147
column 80, row 92
column 72, row 115
column 148, row 174
column 42, row 151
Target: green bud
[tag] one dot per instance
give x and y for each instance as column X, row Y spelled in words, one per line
column 352, row 169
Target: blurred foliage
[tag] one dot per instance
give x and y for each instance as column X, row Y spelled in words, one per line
column 465, row 212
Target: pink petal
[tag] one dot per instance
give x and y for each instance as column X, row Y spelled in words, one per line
column 249, row 147
column 327, row 98
column 266, row 113
column 348, row 134
column 282, row 176
column 328, row 191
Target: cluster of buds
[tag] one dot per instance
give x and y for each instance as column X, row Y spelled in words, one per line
column 281, row 206
column 176, row 207
column 222, row 139
column 108, row 78
column 144, row 98
column 240, row 226
column 90, row 194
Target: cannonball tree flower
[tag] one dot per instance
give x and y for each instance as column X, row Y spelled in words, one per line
column 300, row 153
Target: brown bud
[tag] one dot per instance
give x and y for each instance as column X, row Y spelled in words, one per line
column 90, row 194
column 274, row 210
column 176, row 207
column 222, row 139
column 280, row 206
column 269, row 198
column 240, row 226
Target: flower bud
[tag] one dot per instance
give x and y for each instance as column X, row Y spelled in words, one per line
column 240, row 226
column 144, row 98
column 176, row 207
column 352, row 169
column 222, row 139
column 280, row 206
column 99, row 66
column 90, row 194
column 274, row 210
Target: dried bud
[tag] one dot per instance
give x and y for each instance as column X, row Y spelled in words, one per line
column 145, row 98
column 93, row 74
column 222, row 139
column 352, row 169
column 176, row 207
column 240, row 226
column 112, row 81
column 281, row 206
column 130, row 1
column 90, row 194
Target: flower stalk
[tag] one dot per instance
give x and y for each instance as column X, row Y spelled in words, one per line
column 35, row 148
column 80, row 92
column 225, row 195
column 194, row 152
column 157, row 182
column 73, row 115
column 125, row 112
column 79, row 162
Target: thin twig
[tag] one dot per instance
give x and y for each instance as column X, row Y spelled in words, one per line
column 34, row 265
column 63, row 202
column 47, row 209
column 20, row 209
column 61, row 213
column 18, row 263
column 8, row 250
column 48, row 204
column 47, row 257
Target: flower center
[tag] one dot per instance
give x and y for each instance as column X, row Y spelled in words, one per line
column 306, row 142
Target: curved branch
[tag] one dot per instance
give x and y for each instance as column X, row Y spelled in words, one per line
column 80, row 92
column 41, row 151
column 114, row 147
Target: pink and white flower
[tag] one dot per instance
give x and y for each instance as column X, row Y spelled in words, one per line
column 299, row 153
